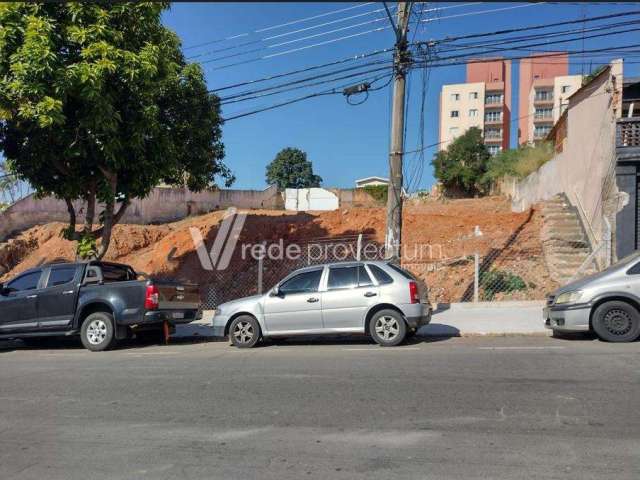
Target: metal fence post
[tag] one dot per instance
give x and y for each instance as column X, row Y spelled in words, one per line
column 476, row 276
column 261, row 267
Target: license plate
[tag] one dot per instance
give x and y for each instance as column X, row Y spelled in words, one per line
column 178, row 314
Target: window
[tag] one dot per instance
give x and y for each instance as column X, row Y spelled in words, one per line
column 455, row 114
column 493, row 133
column 302, row 283
column 117, row 273
column 401, row 271
column 494, row 149
column 541, row 131
column 493, row 116
column 60, row 276
column 473, row 95
column 382, row 277
column 565, row 88
column 493, row 98
column 455, row 96
column 543, row 96
column 342, row 277
column 364, row 280
column 635, row 270
column 473, row 112
column 543, row 113
column 28, row 281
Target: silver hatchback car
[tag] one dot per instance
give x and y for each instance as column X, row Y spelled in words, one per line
column 378, row 298
column 607, row 303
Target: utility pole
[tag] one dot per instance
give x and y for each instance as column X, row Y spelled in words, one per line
column 401, row 60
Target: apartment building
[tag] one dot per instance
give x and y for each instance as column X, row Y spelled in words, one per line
column 483, row 101
column 544, row 87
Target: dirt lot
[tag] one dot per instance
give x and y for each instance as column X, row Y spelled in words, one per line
column 438, row 238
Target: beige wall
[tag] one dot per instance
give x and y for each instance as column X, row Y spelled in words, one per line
column 584, row 170
column 463, row 122
column 162, row 205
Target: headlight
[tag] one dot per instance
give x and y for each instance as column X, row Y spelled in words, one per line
column 569, row 297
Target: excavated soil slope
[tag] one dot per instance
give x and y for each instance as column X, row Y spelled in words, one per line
column 438, row 236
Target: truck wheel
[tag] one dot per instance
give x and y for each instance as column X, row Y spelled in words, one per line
column 616, row 322
column 97, row 332
column 387, row 328
column 244, row 332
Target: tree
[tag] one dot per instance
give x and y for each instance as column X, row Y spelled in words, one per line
column 460, row 167
column 98, row 104
column 291, row 169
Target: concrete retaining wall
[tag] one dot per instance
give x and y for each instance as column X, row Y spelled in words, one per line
column 162, row 205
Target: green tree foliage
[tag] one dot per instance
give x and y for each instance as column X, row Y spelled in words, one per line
column 461, row 166
column 517, row 162
column 291, row 169
column 98, row 104
column 378, row 192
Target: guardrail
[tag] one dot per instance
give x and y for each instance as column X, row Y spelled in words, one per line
column 628, row 132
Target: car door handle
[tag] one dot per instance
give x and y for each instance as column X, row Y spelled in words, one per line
column 312, row 300
column 68, row 292
column 370, row 294
column 32, row 296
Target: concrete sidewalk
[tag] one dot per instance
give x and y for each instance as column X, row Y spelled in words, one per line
column 449, row 320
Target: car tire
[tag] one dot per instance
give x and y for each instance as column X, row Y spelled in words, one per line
column 244, row 332
column 616, row 321
column 388, row 328
column 97, row 333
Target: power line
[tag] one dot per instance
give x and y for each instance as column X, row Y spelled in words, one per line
column 481, row 12
column 273, row 27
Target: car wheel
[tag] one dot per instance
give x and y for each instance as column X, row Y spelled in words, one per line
column 244, row 332
column 97, row 332
column 616, row 322
column 388, row 328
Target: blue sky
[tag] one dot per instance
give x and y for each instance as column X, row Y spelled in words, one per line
column 344, row 142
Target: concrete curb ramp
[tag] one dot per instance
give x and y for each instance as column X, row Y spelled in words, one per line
column 449, row 320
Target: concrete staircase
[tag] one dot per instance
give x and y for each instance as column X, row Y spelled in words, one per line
column 564, row 242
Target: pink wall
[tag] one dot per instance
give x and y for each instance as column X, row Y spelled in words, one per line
column 532, row 68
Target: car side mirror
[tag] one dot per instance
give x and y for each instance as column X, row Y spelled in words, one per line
column 4, row 291
column 275, row 292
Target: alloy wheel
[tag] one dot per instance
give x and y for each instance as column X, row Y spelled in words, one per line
column 387, row 327
column 243, row 332
column 96, row 332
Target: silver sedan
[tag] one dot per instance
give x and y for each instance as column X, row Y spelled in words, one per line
column 375, row 298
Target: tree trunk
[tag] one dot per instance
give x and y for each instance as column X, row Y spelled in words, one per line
column 107, row 224
column 91, row 209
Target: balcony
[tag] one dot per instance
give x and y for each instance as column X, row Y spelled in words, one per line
column 492, row 139
column 628, row 137
column 543, row 98
column 493, row 121
column 543, row 119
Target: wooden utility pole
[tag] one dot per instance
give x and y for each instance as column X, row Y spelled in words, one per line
column 401, row 61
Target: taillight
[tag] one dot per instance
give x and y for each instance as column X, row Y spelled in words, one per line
column 413, row 292
column 152, row 298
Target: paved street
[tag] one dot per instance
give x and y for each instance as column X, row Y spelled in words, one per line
column 472, row 408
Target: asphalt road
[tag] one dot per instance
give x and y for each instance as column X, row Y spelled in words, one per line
column 465, row 408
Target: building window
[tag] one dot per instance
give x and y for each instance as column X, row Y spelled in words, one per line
column 473, row 112
column 455, row 114
column 455, row 96
column 494, row 149
column 565, row 88
column 493, row 116
column 544, row 96
column 493, row 98
column 541, row 131
column 493, row 133
column 543, row 113
column 473, row 95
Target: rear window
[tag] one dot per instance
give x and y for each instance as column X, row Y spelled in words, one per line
column 382, row 277
column 60, row 276
column 117, row 273
column 401, row 271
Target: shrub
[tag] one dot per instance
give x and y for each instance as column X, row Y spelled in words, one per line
column 496, row 281
column 380, row 193
column 517, row 162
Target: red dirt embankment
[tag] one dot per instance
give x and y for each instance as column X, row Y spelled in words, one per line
column 437, row 235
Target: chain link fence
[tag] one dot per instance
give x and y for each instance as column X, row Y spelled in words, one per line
column 467, row 269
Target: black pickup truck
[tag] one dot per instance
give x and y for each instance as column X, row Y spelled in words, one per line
column 100, row 301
